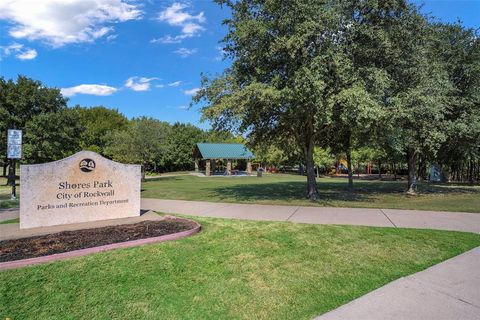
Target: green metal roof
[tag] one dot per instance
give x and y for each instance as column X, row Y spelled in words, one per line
column 224, row 151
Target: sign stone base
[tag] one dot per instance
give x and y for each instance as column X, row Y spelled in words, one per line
column 81, row 188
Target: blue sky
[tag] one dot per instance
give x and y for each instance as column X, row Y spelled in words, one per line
column 142, row 57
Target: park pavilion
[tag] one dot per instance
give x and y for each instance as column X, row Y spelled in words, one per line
column 214, row 156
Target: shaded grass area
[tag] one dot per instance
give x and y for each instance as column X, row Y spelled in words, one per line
column 5, row 192
column 6, row 204
column 290, row 190
column 231, row 270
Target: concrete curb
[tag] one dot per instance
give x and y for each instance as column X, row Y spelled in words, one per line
column 82, row 252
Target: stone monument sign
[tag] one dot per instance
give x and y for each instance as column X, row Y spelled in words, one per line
column 83, row 187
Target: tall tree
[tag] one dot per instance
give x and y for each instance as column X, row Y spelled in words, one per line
column 283, row 53
column 416, row 106
column 459, row 50
column 142, row 143
column 355, row 113
column 99, row 122
column 20, row 101
column 361, row 78
column 179, row 145
column 52, row 136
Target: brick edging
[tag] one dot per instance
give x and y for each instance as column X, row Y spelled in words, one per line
column 82, row 252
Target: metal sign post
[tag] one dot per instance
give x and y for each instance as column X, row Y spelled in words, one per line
column 14, row 151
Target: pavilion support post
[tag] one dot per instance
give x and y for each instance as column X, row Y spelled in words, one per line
column 213, row 166
column 196, row 165
column 207, row 168
column 249, row 167
column 229, row 167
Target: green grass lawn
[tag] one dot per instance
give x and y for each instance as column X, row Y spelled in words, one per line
column 231, row 270
column 17, row 220
column 290, row 189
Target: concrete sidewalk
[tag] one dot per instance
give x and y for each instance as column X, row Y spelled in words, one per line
column 448, row 290
column 9, row 214
column 456, row 221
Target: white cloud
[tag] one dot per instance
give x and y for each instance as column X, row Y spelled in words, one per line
column 169, row 39
column 12, row 48
column 62, row 22
column 112, row 37
column 191, row 92
column 160, row 86
column 191, row 28
column 176, row 15
column 175, row 84
column 27, row 55
column 183, row 107
column 185, row 52
column 139, row 83
column 19, row 51
column 93, row 89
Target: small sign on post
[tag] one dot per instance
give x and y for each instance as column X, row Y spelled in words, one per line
column 14, row 151
column 14, row 143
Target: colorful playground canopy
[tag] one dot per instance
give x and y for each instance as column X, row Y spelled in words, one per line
column 222, row 151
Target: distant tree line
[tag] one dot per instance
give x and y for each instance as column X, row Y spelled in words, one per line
column 53, row 131
column 348, row 75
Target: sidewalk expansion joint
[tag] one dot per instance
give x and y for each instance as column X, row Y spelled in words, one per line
column 295, row 211
column 469, row 303
column 445, row 293
column 381, row 210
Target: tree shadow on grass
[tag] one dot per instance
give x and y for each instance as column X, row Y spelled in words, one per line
column 169, row 178
column 396, row 187
column 448, row 188
column 329, row 191
column 285, row 191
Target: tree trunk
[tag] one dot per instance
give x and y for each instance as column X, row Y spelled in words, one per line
column 412, row 170
column 5, row 165
column 477, row 169
column 420, row 166
column 422, row 169
column 312, row 192
column 11, row 173
column 349, row 167
column 380, row 170
column 394, row 171
column 470, row 173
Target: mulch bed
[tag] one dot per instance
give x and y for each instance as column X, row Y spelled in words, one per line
column 17, row 249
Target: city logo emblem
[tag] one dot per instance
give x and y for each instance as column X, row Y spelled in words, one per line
column 87, row 165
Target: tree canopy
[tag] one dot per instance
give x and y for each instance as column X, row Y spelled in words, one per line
column 346, row 75
column 98, row 123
